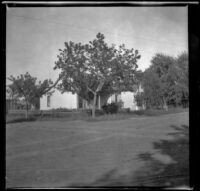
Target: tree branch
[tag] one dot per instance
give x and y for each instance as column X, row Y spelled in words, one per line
column 21, row 90
column 100, row 85
column 98, row 88
column 49, row 88
column 90, row 90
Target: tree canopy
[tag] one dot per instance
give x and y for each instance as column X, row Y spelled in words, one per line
column 25, row 86
column 165, row 82
column 96, row 68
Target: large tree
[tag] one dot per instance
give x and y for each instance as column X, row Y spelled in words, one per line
column 25, row 86
column 152, row 94
column 165, row 81
column 178, row 91
column 96, row 69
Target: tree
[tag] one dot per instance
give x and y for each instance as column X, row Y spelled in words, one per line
column 152, row 90
column 162, row 66
column 165, row 82
column 96, row 69
column 178, row 76
column 24, row 86
column 11, row 93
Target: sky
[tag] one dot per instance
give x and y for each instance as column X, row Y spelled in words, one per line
column 34, row 35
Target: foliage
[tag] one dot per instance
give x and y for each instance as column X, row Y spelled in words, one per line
column 180, row 89
column 153, row 89
column 63, row 109
column 110, row 108
column 24, row 86
column 96, row 69
column 11, row 92
column 165, row 81
column 139, row 98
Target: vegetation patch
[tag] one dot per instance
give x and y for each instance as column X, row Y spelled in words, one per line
column 86, row 115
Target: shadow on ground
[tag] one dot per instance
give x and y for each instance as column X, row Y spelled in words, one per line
column 21, row 119
column 173, row 168
column 168, row 168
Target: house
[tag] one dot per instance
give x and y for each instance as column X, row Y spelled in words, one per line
column 66, row 100
column 73, row 101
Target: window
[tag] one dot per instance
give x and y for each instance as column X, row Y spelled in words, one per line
column 48, row 101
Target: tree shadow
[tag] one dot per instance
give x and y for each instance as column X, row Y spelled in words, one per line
column 167, row 167
column 21, row 119
column 113, row 179
column 108, row 179
column 170, row 165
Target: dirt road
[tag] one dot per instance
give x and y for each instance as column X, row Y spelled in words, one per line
column 78, row 153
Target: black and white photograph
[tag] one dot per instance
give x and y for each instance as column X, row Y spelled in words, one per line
column 97, row 96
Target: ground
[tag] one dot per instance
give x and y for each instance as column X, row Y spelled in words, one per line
column 143, row 151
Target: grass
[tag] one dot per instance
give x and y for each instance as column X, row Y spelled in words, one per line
column 156, row 112
column 71, row 116
column 13, row 118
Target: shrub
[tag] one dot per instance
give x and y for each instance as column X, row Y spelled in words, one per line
column 62, row 109
column 110, row 108
column 105, row 108
column 113, row 108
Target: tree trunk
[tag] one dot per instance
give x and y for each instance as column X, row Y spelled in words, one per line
column 11, row 104
column 94, row 105
column 165, row 106
column 26, row 110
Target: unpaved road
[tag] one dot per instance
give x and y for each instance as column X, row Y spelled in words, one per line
column 78, row 153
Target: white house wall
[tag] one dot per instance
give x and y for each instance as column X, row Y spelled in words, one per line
column 128, row 100
column 111, row 99
column 69, row 100
column 57, row 100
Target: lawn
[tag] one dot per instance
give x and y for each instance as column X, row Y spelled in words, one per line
column 78, row 115
column 137, row 151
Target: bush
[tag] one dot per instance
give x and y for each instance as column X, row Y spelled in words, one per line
column 105, row 108
column 110, row 108
column 62, row 109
